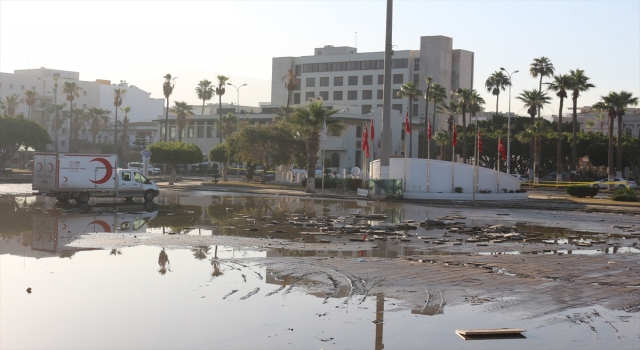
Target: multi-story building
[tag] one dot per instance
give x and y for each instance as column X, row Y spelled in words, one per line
column 97, row 94
column 600, row 120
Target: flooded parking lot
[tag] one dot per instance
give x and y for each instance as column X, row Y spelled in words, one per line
column 213, row 270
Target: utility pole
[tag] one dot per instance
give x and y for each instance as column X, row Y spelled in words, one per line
column 386, row 106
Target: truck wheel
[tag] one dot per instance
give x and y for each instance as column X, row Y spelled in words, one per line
column 128, row 199
column 148, row 196
column 83, row 197
column 148, row 206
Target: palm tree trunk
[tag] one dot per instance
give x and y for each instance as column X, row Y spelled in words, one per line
column 619, row 147
column 540, row 90
column 172, row 178
column 612, row 172
column 464, row 135
column 313, row 145
column 559, row 154
column 203, row 101
column 115, row 129
column 532, row 152
column 425, row 139
column 409, row 127
column 70, row 125
column 29, row 115
column 574, row 151
column 497, row 97
column 179, row 134
column 166, row 122
column 433, row 126
column 220, row 115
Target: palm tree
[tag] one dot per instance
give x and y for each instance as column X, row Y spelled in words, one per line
column 76, row 118
column 590, row 124
column 437, row 94
column 442, row 138
column 579, row 83
column 167, row 89
column 56, row 124
column 496, row 82
column 601, row 118
column 427, row 97
column 97, row 119
column 536, row 131
column 118, row 95
column 125, row 126
column 222, row 82
column 451, row 109
column 464, row 97
column 205, row 92
column 606, row 104
column 618, row 101
column 291, row 83
column 411, row 91
column 534, row 100
column 227, row 126
column 10, row 104
column 183, row 111
column 309, row 121
column 30, row 99
column 72, row 90
column 541, row 67
column 560, row 84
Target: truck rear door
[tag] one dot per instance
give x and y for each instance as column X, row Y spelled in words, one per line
column 45, row 171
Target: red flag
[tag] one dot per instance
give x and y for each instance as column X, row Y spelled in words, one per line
column 365, row 141
column 406, row 123
column 454, row 138
column 479, row 142
column 501, row 150
column 372, row 135
column 429, row 131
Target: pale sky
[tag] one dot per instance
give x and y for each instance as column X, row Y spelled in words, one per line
column 141, row 41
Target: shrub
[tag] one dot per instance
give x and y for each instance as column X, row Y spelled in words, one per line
column 352, row 184
column 582, row 191
column 625, row 195
column 458, row 189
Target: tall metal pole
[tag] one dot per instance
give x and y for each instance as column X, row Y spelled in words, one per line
column 386, row 105
column 509, row 124
column 238, row 96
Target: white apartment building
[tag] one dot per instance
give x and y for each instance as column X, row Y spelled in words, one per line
column 630, row 121
column 97, row 93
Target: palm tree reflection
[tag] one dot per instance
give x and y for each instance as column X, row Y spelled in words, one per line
column 163, row 261
column 115, row 252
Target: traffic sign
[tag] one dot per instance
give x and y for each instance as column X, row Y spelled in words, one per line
column 146, row 153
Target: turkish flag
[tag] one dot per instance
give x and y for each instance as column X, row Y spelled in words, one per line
column 479, row 142
column 372, row 135
column 429, row 131
column 454, row 137
column 406, row 123
column 365, row 141
column 501, row 149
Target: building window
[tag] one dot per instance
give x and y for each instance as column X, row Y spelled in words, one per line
column 367, row 94
column 200, row 130
column 400, row 63
column 322, row 67
column 337, row 95
column 358, row 157
column 298, row 69
column 338, row 81
column 402, row 133
column 353, row 80
column 191, row 132
column 311, row 82
column 397, row 107
column 352, row 95
column 210, row 130
column 416, row 79
column 398, row 79
column 172, row 132
column 380, row 94
column 415, row 111
column 380, row 79
column 324, row 95
column 309, row 95
column 394, row 94
column 163, row 130
column 296, row 98
column 627, row 131
column 324, row 81
column 335, row 160
column 367, row 80
column 366, row 109
column 358, row 131
column 84, row 93
column 416, row 64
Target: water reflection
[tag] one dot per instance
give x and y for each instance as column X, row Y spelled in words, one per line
column 163, row 261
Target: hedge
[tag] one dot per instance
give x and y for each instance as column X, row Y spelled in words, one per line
column 625, row 195
column 582, row 191
column 352, row 184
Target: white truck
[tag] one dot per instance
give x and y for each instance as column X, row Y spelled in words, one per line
column 81, row 176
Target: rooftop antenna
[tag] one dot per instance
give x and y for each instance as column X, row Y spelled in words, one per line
column 356, row 44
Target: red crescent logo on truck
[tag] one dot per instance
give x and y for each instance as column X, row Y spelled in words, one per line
column 40, row 165
column 104, row 225
column 51, row 166
column 108, row 173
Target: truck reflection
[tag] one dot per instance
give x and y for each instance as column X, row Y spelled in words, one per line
column 54, row 232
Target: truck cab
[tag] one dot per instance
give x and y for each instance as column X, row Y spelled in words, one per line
column 131, row 183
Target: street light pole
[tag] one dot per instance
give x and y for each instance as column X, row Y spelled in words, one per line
column 238, row 96
column 508, row 123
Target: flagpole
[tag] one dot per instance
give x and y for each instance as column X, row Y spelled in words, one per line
column 324, row 146
column 428, row 153
column 475, row 165
column 406, row 138
column 499, row 157
column 453, row 155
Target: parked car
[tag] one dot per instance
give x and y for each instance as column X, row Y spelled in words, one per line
column 520, row 177
column 617, row 182
column 566, row 176
column 139, row 166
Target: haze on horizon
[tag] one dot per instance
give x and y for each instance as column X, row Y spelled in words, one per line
column 141, row 41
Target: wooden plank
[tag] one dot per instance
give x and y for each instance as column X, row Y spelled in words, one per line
column 490, row 331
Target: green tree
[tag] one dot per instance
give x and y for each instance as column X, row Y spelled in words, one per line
column 72, row 90
column 220, row 90
column 222, row 153
column 167, row 90
column 465, row 98
column 533, row 100
column 56, row 125
column 559, row 85
column 451, row 108
column 442, row 138
column 579, row 83
column 291, row 83
column 590, row 124
column 77, row 119
column 227, row 125
column 309, row 123
column 9, row 104
column 125, row 127
column 437, row 94
column 98, row 119
column 410, row 90
column 601, row 118
column 183, row 111
column 541, row 67
column 174, row 153
column 205, row 92
column 496, row 82
column 30, row 99
column 536, row 132
column 118, row 96
column 16, row 132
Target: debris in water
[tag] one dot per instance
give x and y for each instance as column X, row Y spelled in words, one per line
column 233, row 291
column 250, row 294
column 29, row 290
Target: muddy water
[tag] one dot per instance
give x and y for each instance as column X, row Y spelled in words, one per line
column 149, row 297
